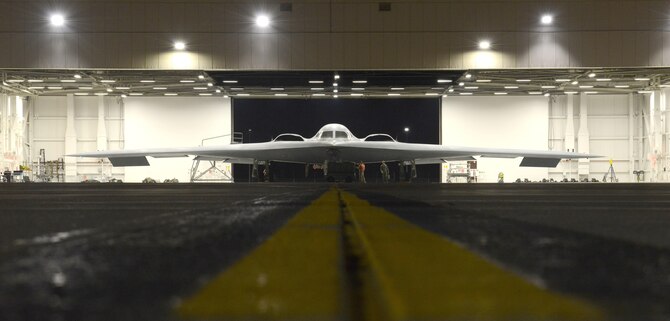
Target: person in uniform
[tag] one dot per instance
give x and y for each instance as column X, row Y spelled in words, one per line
column 384, row 169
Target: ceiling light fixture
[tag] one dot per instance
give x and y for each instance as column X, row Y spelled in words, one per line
column 160, row 88
column 642, row 79
column 511, row 87
column 500, row 93
column 360, row 81
column 574, row 82
column 523, row 80
column 57, row 20
column 107, row 81
column 397, row 88
column 483, row 80
column 68, row 80
column 230, row 81
column 591, row 75
column 262, row 21
column 316, row 81
column 484, row 45
column 179, row 45
column 277, row 88
column 337, row 77
column 78, row 76
column 186, row 81
column 465, row 94
column 442, row 81
column 621, row 86
column 562, row 80
column 604, row 79
column 547, row 19
column 147, row 81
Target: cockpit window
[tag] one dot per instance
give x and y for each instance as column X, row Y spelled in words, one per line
column 327, row 134
column 340, row 134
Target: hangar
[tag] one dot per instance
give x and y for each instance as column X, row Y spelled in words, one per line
column 567, row 76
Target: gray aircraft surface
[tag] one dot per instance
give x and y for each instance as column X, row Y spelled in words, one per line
column 334, row 143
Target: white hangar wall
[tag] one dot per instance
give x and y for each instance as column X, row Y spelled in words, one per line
column 100, row 123
column 323, row 34
column 172, row 122
column 497, row 122
column 632, row 131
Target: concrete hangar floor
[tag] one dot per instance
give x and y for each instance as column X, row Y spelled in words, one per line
column 278, row 251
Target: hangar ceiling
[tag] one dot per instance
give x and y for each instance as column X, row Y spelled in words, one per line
column 332, row 84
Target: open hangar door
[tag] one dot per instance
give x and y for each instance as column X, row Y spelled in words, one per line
column 263, row 119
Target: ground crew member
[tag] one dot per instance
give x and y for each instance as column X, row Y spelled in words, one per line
column 361, row 172
column 501, row 177
column 384, row 169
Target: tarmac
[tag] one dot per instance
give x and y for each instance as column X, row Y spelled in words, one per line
column 275, row 251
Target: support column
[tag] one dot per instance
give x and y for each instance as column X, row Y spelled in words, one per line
column 666, row 136
column 583, row 137
column 70, row 142
column 102, row 125
column 656, row 134
column 631, row 138
column 3, row 130
column 569, row 132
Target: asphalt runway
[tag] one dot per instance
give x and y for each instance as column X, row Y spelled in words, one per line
column 335, row 252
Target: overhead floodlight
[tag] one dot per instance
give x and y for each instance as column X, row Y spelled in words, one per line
column 218, row 91
column 170, row 94
column 54, row 87
column 645, row 92
column 562, row 80
column 356, row 94
column 276, row 88
column 160, row 88
column 209, row 84
column 200, row 88
column 186, row 81
column 357, row 88
column 442, row 81
column 360, row 81
column 406, row 129
column 468, row 76
column 471, row 87
column 451, row 90
column 123, row 96
column 642, row 79
column 230, row 81
column 575, row 82
column 397, row 88
column 461, row 84
column 511, row 87
column 86, row 88
column 316, row 88
column 109, row 90
column 570, row 92
column 57, row 20
column 136, row 94
column 590, row 92
column 393, row 94
column 465, row 94
column 585, row 86
column 547, row 19
column 78, row 76
column 81, row 94
column 483, row 80
column 432, row 94
column 523, row 80
column 547, row 95
column 179, row 45
column 201, row 77
column 591, row 75
column 35, row 80
column 205, row 94
column 337, row 77
column 621, row 86
column 262, row 21
column 108, row 81
column 281, row 94
column 484, row 45
column 500, row 94
column 225, row 96
column 334, row 84
column 335, row 96
column 147, row 81
column 604, row 79
column 334, row 90
column 535, row 93
column 548, row 87
column 316, row 81
column 68, row 80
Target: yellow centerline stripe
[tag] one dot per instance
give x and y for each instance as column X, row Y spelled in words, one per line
column 295, row 275
column 423, row 276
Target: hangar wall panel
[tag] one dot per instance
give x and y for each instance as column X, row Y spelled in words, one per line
column 48, row 119
column 137, row 122
column 426, row 34
column 497, row 122
column 172, row 122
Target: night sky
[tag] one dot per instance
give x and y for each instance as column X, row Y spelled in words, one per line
column 268, row 118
